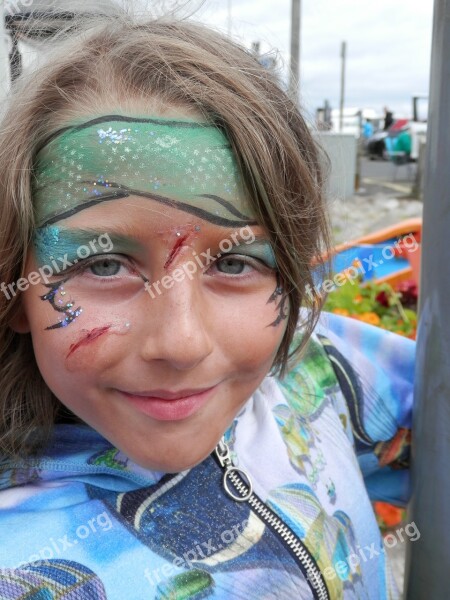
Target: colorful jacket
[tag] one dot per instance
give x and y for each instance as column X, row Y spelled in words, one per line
column 87, row 523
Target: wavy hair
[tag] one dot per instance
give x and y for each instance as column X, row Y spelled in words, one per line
column 122, row 58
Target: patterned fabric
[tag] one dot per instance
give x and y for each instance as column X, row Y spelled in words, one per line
column 86, row 522
column 60, row 579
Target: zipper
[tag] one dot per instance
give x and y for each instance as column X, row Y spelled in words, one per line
column 238, row 486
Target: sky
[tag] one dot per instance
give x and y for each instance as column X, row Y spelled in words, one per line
column 388, row 46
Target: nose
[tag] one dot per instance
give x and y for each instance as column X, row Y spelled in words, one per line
column 176, row 326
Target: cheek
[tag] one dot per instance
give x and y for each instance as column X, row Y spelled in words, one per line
column 251, row 332
column 57, row 351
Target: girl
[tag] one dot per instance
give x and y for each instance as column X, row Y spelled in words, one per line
column 161, row 437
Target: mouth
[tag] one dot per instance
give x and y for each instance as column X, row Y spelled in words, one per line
column 164, row 405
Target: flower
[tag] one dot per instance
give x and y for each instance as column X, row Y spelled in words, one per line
column 382, row 298
column 376, row 304
column 369, row 317
column 341, row 311
column 388, row 515
column 408, row 293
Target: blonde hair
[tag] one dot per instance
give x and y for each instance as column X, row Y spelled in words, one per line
column 178, row 64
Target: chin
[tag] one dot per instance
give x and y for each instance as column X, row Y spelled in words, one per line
column 173, row 461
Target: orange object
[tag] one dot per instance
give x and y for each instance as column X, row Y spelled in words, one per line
column 369, row 317
column 341, row 311
column 389, row 515
column 414, row 261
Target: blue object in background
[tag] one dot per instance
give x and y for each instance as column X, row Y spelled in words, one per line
column 377, row 261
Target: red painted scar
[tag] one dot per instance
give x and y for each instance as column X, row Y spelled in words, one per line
column 88, row 338
column 175, row 250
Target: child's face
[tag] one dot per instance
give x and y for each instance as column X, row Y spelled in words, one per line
column 145, row 336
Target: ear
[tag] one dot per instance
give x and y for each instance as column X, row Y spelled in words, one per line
column 19, row 323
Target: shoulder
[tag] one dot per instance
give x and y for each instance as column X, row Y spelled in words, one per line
column 360, row 369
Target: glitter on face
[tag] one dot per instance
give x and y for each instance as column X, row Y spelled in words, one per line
column 58, row 304
column 184, row 164
column 122, row 328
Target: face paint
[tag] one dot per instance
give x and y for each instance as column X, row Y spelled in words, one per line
column 261, row 250
column 176, row 249
column 60, row 248
column 282, row 308
column 184, row 164
column 102, row 283
column 56, row 298
column 91, row 341
column 88, row 338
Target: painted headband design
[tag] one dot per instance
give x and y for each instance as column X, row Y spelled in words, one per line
column 184, row 164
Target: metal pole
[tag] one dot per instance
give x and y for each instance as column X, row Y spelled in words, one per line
column 341, row 103
column 428, row 558
column 294, row 79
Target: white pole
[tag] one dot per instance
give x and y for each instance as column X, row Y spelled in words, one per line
column 295, row 50
column 341, row 104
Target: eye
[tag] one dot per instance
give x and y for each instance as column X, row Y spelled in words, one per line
column 106, row 267
column 231, row 265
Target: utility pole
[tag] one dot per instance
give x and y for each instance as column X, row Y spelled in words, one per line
column 428, row 558
column 294, row 79
column 341, row 103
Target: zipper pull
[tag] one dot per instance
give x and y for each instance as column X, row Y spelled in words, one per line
column 238, row 477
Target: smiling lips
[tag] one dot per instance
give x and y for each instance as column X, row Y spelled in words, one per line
column 163, row 405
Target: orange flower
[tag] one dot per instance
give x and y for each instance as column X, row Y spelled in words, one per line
column 389, row 515
column 341, row 311
column 357, row 299
column 370, row 317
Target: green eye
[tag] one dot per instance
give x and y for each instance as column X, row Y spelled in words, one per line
column 105, row 268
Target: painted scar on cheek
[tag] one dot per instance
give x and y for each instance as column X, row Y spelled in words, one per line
column 70, row 314
column 77, row 359
column 88, row 338
column 282, row 312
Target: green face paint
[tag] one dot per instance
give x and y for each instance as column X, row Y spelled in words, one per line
column 70, row 245
column 261, row 250
column 184, row 164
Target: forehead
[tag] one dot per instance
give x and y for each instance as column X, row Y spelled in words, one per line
column 183, row 163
